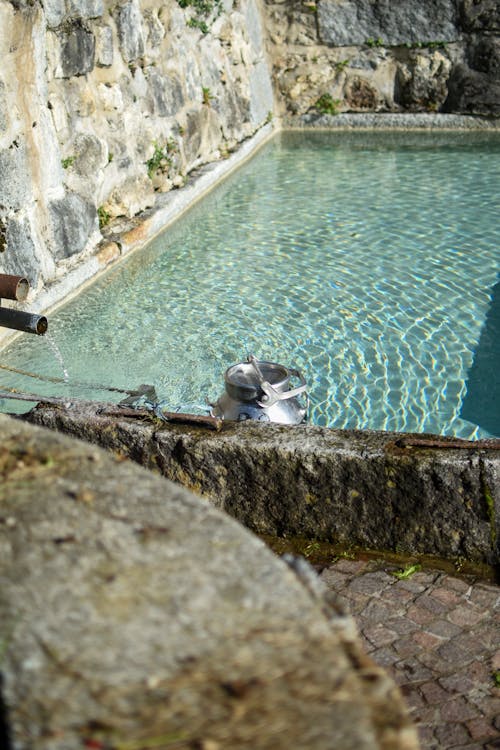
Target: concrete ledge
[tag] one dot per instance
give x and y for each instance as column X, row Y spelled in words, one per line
column 370, row 489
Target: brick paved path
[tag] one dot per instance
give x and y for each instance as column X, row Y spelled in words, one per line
column 439, row 636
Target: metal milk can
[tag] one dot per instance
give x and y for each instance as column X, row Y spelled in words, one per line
column 261, row 390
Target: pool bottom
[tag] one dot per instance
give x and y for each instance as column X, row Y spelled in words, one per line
column 368, row 263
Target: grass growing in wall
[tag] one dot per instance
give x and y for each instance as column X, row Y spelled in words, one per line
column 163, row 157
column 103, row 216
column 203, row 10
column 327, row 105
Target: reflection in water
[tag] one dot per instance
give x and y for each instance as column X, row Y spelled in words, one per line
column 481, row 404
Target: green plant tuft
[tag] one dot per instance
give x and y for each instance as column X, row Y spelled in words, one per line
column 104, row 217
column 68, row 161
column 206, row 95
column 198, row 23
column 327, row 105
column 311, row 549
column 203, row 10
column 407, row 572
column 341, row 65
column 162, row 157
column 378, row 42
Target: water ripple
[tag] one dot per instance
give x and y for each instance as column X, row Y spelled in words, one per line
column 366, row 261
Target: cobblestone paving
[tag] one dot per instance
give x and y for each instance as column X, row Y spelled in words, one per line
column 439, row 636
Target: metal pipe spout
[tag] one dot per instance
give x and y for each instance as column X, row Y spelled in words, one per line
column 23, row 321
column 13, row 287
column 17, row 288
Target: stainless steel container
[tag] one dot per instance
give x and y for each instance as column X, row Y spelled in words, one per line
column 262, row 390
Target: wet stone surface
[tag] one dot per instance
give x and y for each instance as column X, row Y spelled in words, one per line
column 439, row 638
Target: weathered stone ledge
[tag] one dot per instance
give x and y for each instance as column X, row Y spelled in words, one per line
column 394, row 121
column 352, row 487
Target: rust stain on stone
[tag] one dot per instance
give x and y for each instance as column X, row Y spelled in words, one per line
column 136, row 236
column 108, row 253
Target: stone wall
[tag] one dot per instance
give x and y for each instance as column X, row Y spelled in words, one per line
column 377, row 55
column 104, row 105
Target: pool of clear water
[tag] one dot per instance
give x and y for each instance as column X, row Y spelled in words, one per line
column 368, row 261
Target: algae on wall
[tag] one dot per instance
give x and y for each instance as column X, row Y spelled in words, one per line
column 104, row 105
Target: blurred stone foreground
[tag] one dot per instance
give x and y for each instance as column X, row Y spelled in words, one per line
column 135, row 615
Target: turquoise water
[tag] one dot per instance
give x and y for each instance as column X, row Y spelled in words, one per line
column 369, row 261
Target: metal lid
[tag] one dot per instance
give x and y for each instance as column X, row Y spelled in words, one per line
column 244, row 380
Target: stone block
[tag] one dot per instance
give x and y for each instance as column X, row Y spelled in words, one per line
column 15, row 176
column 352, row 22
column 483, row 55
column 55, row 12
column 103, row 46
column 110, row 97
column 77, row 98
column 192, row 135
column 108, row 252
column 133, row 195
column 368, row 491
column 422, row 81
column 261, row 92
column 85, row 8
column 129, row 24
column 473, row 93
column 91, row 154
column 20, row 256
column 253, row 26
column 133, row 613
column 76, row 52
column 480, row 15
column 167, row 92
column 155, row 31
column 4, row 109
column 73, row 221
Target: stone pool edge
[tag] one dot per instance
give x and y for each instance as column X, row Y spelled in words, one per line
column 393, row 121
column 409, row 494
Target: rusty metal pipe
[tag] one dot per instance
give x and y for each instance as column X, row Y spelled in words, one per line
column 23, row 321
column 13, row 287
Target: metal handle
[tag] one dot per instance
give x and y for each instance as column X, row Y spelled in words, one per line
column 271, row 394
